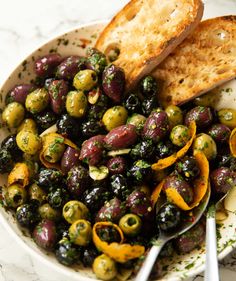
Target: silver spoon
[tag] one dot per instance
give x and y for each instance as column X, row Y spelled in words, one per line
column 147, row 266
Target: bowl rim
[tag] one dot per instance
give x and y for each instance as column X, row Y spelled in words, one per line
column 56, row 266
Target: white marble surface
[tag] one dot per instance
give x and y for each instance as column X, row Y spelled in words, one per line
column 24, row 25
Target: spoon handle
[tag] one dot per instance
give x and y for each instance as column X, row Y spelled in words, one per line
column 147, row 266
column 212, row 268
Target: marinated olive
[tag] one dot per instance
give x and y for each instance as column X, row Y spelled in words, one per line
column 132, row 103
column 137, row 120
column 55, row 150
column 177, row 182
column 143, row 150
column 227, row 117
column 180, row 135
column 113, row 82
column 68, row 126
column 89, row 256
column 149, row 104
column 96, row 60
column 120, row 187
column 140, row 171
column 91, row 127
column 167, row 251
column 37, row 100
column 117, row 165
column 67, row 253
column 45, row 66
column 175, row 115
column 46, row 119
column 69, row 67
column 76, row 104
column 26, row 215
column 47, row 82
column 13, row 114
column 36, row 193
column 28, row 125
column 130, row 224
column 188, row 167
column 6, row 161
column 49, row 178
column 69, row 159
column 28, row 142
column 45, row 235
column 114, row 117
column 206, row 144
column 156, row 126
column 85, row 80
column 47, row 212
column 80, row 232
column 98, row 109
column 104, row 267
column 168, row 217
column 19, row 93
column 9, row 144
column 58, row 90
column 165, row 149
column 16, row 195
column 58, row 197
column 220, row 133
column 108, row 234
column 148, row 86
column 222, row 179
column 78, row 180
column 111, row 211
column 75, row 210
column 202, row 115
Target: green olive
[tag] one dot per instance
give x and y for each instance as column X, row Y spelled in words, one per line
column 175, row 115
column 16, row 195
column 54, row 150
column 80, row 232
column 114, row 117
column 13, row 114
column 85, row 80
column 206, row 144
column 33, row 167
column 179, row 135
column 227, row 116
column 76, row 104
column 47, row 212
column 37, row 193
column 130, row 224
column 75, row 210
column 137, row 120
column 208, row 99
column 28, row 142
column 28, row 125
column 104, row 267
column 37, row 101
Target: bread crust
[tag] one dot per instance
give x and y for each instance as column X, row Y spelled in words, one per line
column 203, row 61
column 147, row 31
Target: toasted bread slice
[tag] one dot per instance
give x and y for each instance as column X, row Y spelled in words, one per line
column 146, row 31
column 204, row 60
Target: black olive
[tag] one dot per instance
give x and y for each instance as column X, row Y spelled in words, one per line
column 46, row 119
column 67, row 253
column 149, row 104
column 96, row 60
column 27, row 215
column 62, row 229
column 49, row 178
column 9, row 143
column 97, row 110
column 164, row 149
column 91, row 127
column 188, row 167
column 168, row 217
column 68, row 126
column 148, row 86
column 6, row 161
column 120, row 186
column 48, row 81
column 167, row 251
column 132, row 103
column 108, row 234
column 140, row 171
column 89, row 256
column 143, row 150
column 58, row 197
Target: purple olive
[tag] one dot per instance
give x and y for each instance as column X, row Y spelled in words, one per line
column 191, row 239
column 19, row 93
column 139, row 204
column 69, row 67
column 202, row 115
column 156, row 126
column 177, row 182
column 78, row 180
column 45, row 235
column 58, row 90
column 46, row 65
column 113, row 82
column 222, row 179
column 117, row 165
column 69, row 159
column 92, row 150
column 220, row 133
column 111, row 211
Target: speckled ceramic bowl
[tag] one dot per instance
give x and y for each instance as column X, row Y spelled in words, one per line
column 176, row 268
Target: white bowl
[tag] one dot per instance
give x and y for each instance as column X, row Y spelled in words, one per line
column 179, row 267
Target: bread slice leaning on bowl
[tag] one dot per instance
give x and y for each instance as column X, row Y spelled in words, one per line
column 203, row 61
column 146, row 31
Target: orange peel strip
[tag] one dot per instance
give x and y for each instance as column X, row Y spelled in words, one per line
column 200, row 185
column 232, row 142
column 117, row 251
column 19, row 174
column 170, row 160
column 156, row 192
